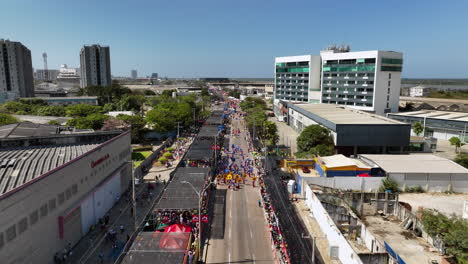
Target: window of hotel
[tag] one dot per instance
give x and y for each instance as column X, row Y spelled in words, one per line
column 33, row 217
column 52, row 204
column 389, row 75
column 2, row 240
column 44, row 210
column 22, row 225
column 68, row 193
column 61, row 198
column 11, row 233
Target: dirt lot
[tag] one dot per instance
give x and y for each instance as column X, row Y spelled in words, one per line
column 445, row 203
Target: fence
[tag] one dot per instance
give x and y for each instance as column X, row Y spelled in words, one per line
column 363, row 184
column 346, row 253
column 148, row 162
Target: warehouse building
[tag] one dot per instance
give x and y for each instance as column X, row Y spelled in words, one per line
column 438, row 124
column 54, row 187
column 432, row 173
column 353, row 131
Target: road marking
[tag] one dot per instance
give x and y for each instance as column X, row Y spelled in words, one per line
column 229, row 258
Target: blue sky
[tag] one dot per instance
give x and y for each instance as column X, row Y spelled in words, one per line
column 239, row 38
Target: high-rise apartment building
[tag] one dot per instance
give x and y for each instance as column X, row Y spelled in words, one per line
column 297, row 78
column 95, row 66
column 365, row 80
column 134, row 74
column 16, row 72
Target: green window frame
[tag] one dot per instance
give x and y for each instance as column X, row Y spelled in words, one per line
column 392, row 61
column 391, row 68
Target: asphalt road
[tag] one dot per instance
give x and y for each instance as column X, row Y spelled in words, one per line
column 245, row 237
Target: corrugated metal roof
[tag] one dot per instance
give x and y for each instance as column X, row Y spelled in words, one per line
column 417, row 163
column 21, row 165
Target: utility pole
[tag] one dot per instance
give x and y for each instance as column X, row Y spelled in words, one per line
column 194, row 120
column 178, row 126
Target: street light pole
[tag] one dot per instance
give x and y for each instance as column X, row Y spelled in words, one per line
column 200, row 197
column 133, row 196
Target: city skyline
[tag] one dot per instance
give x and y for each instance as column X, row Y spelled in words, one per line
column 240, row 39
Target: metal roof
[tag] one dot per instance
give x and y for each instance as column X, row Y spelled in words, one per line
column 339, row 114
column 21, row 165
column 416, row 163
column 178, row 195
column 434, row 114
column 27, row 129
column 162, row 248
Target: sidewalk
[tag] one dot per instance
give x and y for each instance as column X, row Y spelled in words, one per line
column 314, row 230
column 95, row 245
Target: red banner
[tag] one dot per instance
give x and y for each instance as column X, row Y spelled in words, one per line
column 204, row 219
column 195, row 218
column 217, row 147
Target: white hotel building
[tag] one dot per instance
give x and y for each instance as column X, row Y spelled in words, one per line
column 364, row 80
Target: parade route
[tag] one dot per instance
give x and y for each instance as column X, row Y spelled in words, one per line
column 246, row 238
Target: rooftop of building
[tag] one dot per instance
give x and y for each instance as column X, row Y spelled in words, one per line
column 341, row 161
column 28, row 129
column 160, row 247
column 59, row 98
column 434, row 114
column 177, row 193
column 41, row 119
column 427, row 99
column 413, row 163
column 344, row 115
column 20, row 166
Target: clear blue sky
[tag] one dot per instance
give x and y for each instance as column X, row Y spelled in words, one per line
column 197, row 38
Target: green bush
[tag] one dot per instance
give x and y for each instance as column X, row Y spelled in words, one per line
column 162, row 159
column 138, row 156
column 170, row 149
column 452, row 231
column 389, row 184
column 414, row 189
column 167, row 155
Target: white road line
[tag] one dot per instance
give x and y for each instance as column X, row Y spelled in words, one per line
column 229, row 257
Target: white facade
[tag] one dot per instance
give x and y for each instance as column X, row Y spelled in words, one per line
column 363, row 80
column 297, row 78
column 419, row 91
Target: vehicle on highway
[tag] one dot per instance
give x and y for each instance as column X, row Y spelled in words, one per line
column 305, row 169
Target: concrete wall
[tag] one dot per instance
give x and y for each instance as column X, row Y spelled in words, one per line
column 58, row 193
column 363, row 184
column 346, row 253
column 433, row 182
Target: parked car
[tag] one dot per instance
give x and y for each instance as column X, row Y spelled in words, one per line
column 305, row 169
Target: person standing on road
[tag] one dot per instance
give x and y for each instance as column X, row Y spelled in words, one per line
column 259, row 203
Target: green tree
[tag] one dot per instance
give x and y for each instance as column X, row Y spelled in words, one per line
column 315, row 139
column 162, row 118
column 455, row 141
column 131, row 103
column 418, row 128
column 54, row 123
column 462, row 159
column 205, row 92
column 168, row 93
column 50, row 111
column 389, row 184
column 234, row 93
column 82, row 110
column 136, row 123
column 93, row 121
column 269, row 132
column 6, row 119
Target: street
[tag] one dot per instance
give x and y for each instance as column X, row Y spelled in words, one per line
column 245, row 237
